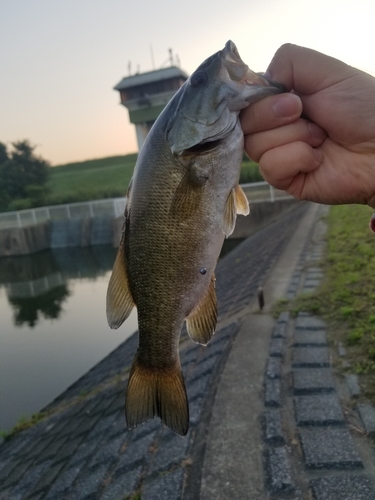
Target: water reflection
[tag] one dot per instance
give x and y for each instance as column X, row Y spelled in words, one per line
column 53, row 325
column 29, row 310
column 36, row 286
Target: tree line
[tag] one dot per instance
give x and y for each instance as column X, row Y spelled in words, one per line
column 23, row 177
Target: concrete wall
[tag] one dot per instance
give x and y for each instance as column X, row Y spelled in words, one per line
column 262, row 214
column 104, row 230
column 23, row 241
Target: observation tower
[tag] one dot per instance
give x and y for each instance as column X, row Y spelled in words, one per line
column 146, row 94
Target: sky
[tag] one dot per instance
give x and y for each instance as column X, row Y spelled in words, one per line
column 60, row 59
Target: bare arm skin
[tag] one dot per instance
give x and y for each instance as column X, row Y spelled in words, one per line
column 318, row 142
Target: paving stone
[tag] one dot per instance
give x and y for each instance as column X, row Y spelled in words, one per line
column 122, row 486
column 195, row 410
column 283, row 317
column 329, row 447
column 353, row 385
column 279, row 330
column 51, row 450
column 273, row 369
column 312, row 380
column 272, row 392
column 311, row 282
column 197, row 387
column 134, row 455
column 310, row 338
column 49, row 476
column 280, row 479
column 341, row 349
column 277, row 347
column 149, row 427
column 309, row 323
column 84, row 452
column 171, row 450
column 367, row 414
column 40, row 445
column 318, row 409
column 17, row 474
column 90, row 482
column 295, row 279
column 292, row 288
column 273, row 431
column 7, row 469
column 29, row 482
column 203, row 369
column 109, row 451
column 64, row 481
column 310, row 357
column 168, row 486
column 314, row 273
column 353, row 487
column 36, row 496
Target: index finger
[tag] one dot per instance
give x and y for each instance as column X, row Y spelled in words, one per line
column 306, row 71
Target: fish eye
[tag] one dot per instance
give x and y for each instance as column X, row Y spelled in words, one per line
column 198, row 79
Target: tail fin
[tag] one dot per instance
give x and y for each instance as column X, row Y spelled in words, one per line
column 159, row 393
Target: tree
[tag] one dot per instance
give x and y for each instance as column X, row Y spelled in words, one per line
column 23, row 176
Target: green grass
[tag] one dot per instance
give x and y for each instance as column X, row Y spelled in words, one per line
column 107, row 178
column 100, row 178
column 24, row 423
column 250, row 172
column 346, row 298
column 89, row 180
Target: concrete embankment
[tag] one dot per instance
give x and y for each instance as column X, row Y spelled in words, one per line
column 269, row 416
column 76, row 232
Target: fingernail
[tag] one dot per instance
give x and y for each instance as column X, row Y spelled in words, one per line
column 287, row 105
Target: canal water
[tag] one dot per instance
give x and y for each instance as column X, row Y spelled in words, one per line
column 53, row 326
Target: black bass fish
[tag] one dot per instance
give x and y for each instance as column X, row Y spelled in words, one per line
column 183, row 200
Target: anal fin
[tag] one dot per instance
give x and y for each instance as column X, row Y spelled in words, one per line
column 119, row 298
column 201, row 322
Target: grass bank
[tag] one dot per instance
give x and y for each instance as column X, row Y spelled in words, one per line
column 346, row 298
column 106, row 178
column 90, row 180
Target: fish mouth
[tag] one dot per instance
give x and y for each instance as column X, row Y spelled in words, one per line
column 240, row 72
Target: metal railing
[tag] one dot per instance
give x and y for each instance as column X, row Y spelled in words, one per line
column 262, row 191
column 113, row 207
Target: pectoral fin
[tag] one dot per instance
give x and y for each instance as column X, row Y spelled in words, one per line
column 236, row 204
column 201, row 322
column 242, row 203
column 119, row 299
column 187, row 197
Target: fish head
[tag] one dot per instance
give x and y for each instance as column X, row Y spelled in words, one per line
column 208, row 104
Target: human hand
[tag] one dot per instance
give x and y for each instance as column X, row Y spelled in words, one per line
column 317, row 143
